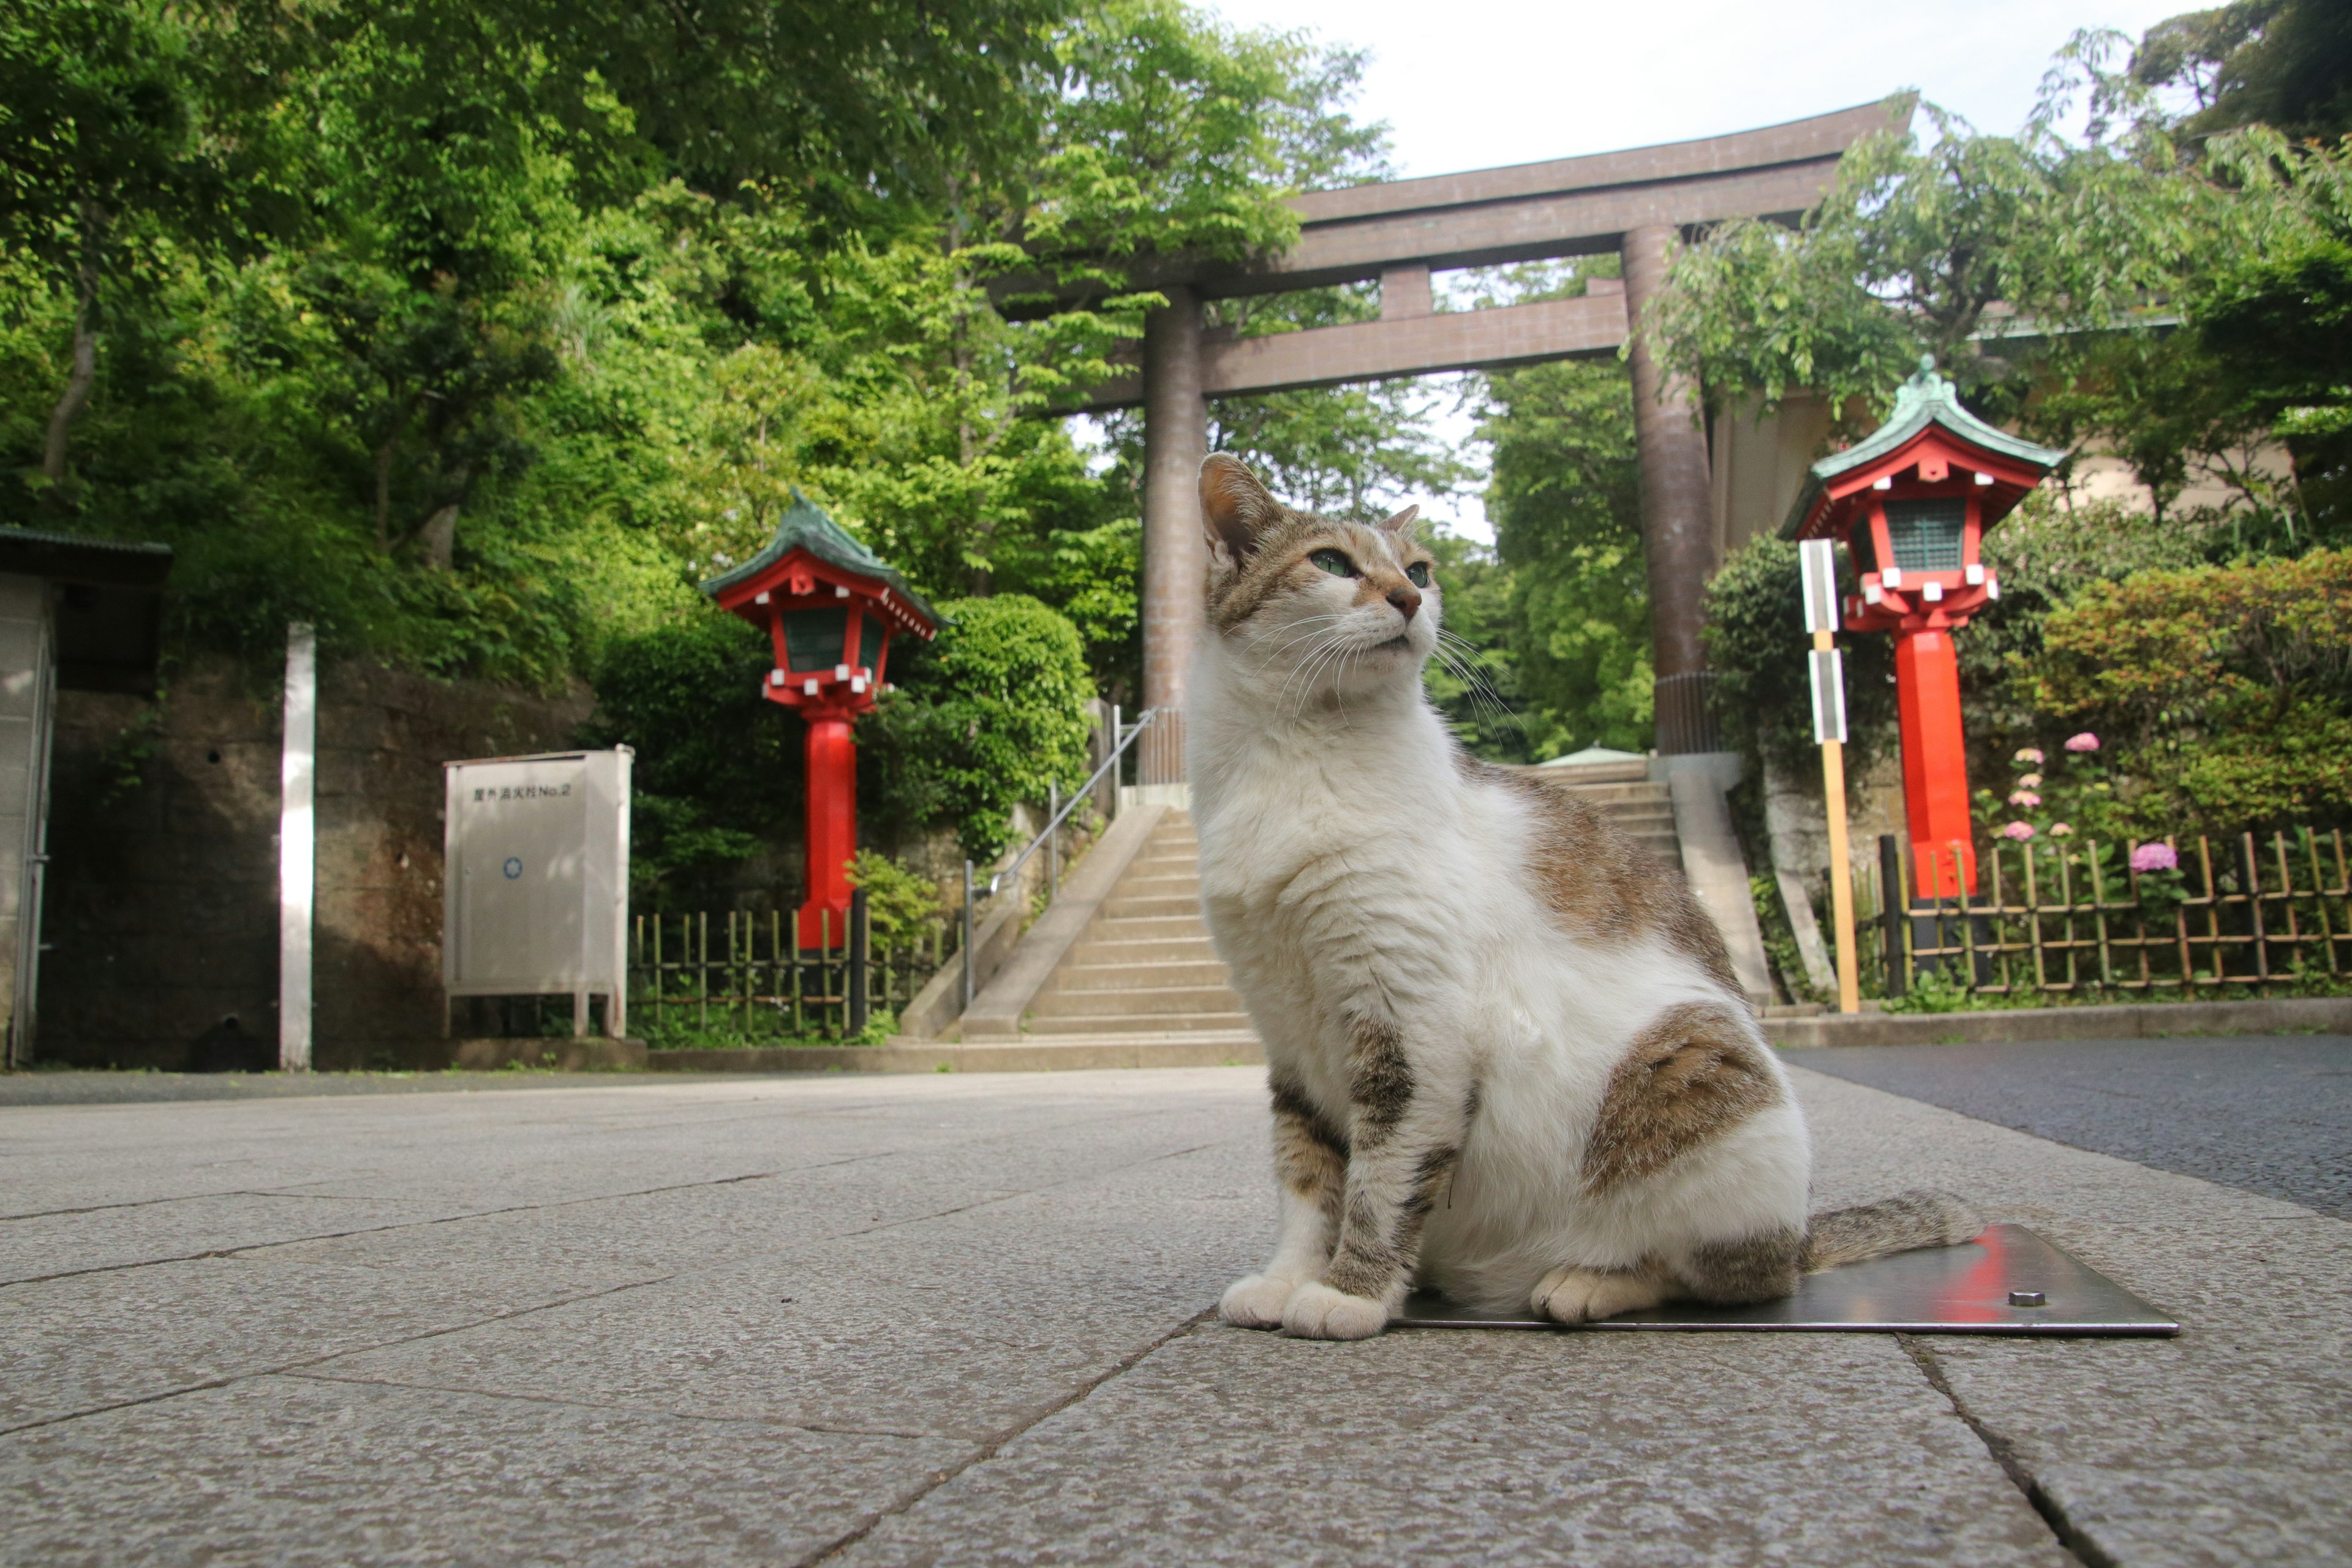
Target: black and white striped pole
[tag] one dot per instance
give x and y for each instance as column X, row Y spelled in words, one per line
column 1819, row 560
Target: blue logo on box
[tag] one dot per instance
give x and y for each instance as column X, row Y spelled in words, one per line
column 513, row 867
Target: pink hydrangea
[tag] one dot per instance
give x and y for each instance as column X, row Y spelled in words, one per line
column 2085, row 742
column 2031, row 754
column 2030, row 781
column 2020, row 831
column 2024, row 797
column 2061, row 830
column 2154, row 857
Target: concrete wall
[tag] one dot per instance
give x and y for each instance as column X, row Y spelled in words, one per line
column 162, row 905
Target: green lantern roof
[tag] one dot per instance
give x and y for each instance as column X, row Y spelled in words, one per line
column 1925, row 399
column 805, row 526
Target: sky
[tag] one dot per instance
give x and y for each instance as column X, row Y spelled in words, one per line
column 1471, row 84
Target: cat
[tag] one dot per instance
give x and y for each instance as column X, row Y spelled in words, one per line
column 1507, row 1055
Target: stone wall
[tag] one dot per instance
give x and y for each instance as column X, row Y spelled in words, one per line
column 162, row 904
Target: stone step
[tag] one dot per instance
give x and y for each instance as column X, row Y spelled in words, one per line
column 1142, row 976
column 1147, row 927
column 1120, row 906
column 1096, row 949
column 1615, row 793
column 1136, row 1024
column 1159, row 884
column 1152, row 1002
column 1185, row 860
column 1600, row 772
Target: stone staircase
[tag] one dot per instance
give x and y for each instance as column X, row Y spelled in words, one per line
column 1145, row 968
column 1637, row 803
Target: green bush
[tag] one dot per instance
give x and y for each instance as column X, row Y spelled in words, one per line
column 986, row 718
column 901, row 908
column 718, row 765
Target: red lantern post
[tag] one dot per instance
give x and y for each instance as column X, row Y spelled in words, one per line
column 1911, row 504
column 830, row 608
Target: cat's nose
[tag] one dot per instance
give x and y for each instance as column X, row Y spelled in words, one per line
column 1405, row 599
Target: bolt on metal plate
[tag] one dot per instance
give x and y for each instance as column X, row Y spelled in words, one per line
column 1975, row 1288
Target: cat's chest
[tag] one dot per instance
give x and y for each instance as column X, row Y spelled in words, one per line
column 1318, row 858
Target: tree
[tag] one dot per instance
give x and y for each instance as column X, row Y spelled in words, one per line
column 2283, row 63
column 106, row 158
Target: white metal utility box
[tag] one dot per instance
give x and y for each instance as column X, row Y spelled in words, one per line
column 536, row 892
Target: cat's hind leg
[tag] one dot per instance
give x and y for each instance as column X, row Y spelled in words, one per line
column 1589, row 1295
column 1310, row 1163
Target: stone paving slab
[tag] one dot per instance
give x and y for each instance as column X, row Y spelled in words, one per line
column 295, row 1471
column 570, row 1342
column 1499, row 1447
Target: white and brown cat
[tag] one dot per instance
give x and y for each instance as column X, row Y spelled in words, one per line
column 1507, row 1055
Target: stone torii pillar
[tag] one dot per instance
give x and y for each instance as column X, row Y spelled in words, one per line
column 1175, row 555
column 1677, row 518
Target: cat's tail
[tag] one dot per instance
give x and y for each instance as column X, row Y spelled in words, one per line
column 1920, row 1218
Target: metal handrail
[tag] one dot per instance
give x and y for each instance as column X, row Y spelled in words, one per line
column 1120, row 743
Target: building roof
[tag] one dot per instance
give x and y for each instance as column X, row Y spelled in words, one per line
column 1925, row 399
column 78, row 558
column 805, row 526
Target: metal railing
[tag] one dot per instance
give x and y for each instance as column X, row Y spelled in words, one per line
column 2058, row 920
column 1058, row 810
column 748, row 976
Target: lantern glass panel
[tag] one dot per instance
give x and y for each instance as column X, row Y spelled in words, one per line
column 813, row 638
column 869, row 641
column 1926, row 535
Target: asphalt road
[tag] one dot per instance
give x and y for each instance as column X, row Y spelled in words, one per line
column 2270, row 1114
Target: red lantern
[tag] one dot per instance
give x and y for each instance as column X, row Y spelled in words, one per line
column 831, row 607
column 1911, row 504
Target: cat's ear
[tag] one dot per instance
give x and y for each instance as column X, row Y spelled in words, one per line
column 1235, row 508
column 1401, row 523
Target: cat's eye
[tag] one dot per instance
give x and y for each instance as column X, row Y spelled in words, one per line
column 1335, row 562
column 1418, row 574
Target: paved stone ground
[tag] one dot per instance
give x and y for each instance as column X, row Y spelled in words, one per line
column 945, row 1319
column 2270, row 1114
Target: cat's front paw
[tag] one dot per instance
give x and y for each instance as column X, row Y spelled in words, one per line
column 1317, row 1311
column 1256, row 1301
column 1589, row 1295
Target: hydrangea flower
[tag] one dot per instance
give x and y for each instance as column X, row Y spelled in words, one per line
column 2024, row 797
column 2154, row 857
column 2085, row 742
column 2061, row 830
column 2030, row 781
column 2020, row 831
column 2031, row 754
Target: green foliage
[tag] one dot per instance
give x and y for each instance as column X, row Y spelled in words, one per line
column 2223, row 693
column 2284, row 63
column 718, row 765
column 1474, row 681
column 901, row 908
column 984, row 720
column 1564, row 496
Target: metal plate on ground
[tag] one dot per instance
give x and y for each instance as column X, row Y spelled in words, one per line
column 1980, row 1286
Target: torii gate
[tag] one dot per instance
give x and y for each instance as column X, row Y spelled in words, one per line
column 1634, row 203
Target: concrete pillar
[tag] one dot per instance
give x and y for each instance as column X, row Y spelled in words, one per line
column 1175, row 558
column 297, row 835
column 26, row 677
column 1677, row 522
